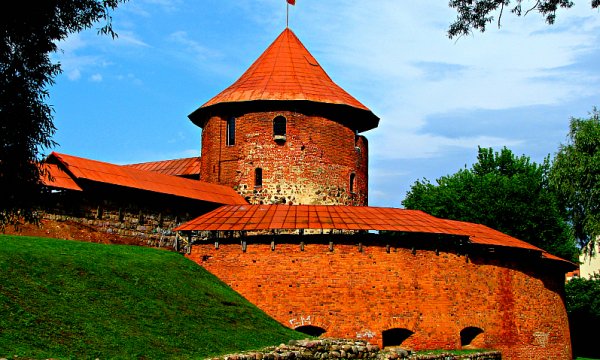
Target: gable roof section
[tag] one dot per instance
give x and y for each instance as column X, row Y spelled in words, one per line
column 177, row 167
column 57, row 178
column 286, row 71
column 97, row 171
column 286, row 217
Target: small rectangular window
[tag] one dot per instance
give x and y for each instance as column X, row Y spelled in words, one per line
column 230, row 131
column 258, row 177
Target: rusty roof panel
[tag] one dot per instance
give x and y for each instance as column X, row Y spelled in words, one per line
column 58, row 178
column 269, row 217
column 130, row 177
column 177, row 167
column 287, row 71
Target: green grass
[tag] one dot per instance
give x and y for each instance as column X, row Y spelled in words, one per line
column 453, row 352
column 67, row 299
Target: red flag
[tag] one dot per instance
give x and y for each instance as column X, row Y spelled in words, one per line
column 291, row 2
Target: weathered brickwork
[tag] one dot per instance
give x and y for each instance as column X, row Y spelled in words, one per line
column 359, row 291
column 315, row 164
column 148, row 217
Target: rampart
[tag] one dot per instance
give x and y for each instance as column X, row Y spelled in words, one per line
column 419, row 292
column 146, row 217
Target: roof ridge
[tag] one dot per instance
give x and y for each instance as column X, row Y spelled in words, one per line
column 285, row 72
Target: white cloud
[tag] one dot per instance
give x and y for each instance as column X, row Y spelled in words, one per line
column 73, row 74
column 395, row 57
column 96, row 78
column 193, row 47
column 128, row 38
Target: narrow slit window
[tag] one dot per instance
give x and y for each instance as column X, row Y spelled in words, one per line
column 258, row 177
column 230, row 131
column 352, row 182
column 279, row 128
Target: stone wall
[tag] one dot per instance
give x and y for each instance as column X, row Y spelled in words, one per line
column 347, row 349
column 360, row 287
column 313, row 165
column 125, row 213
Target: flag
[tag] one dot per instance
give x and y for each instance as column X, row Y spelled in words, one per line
column 291, row 2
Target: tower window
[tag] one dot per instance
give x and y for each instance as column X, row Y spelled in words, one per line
column 352, row 182
column 258, row 177
column 230, row 131
column 279, row 128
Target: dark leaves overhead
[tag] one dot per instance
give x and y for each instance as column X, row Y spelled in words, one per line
column 29, row 33
column 477, row 14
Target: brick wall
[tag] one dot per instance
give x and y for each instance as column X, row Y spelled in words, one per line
column 358, row 291
column 312, row 166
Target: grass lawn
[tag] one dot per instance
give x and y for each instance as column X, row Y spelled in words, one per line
column 67, row 299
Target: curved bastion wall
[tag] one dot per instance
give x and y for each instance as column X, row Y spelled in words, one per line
column 397, row 293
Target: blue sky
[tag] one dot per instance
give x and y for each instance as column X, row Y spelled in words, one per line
column 127, row 100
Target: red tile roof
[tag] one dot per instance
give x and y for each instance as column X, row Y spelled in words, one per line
column 285, row 217
column 58, row 178
column 97, row 171
column 177, row 167
column 481, row 234
column 287, row 71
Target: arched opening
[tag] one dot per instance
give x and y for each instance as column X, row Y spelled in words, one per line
column 258, row 175
column 352, row 183
column 311, row 330
column 395, row 337
column 230, row 139
column 279, row 128
column 469, row 334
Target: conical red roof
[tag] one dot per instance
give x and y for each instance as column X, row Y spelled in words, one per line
column 286, row 71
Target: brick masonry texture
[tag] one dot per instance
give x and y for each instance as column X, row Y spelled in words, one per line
column 312, row 166
column 147, row 217
column 359, row 294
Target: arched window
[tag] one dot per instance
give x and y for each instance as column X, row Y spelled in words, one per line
column 352, row 183
column 468, row 334
column 279, row 128
column 395, row 337
column 230, row 131
column 311, row 330
column 258, row 177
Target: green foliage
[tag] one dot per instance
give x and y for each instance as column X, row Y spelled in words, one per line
column 575, row 175
column 477, row 14
column 583, row 307
column 28, row 35
column 67, row 299
column 503, row 191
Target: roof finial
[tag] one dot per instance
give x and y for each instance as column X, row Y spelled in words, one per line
column 287, row 11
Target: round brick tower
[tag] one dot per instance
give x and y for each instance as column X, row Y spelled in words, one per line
column 285, row 133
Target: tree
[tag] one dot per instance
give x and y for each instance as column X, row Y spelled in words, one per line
column 29, row 33
column 583, row 307
column 477, row 14
column 505, row 192
column 575, row 175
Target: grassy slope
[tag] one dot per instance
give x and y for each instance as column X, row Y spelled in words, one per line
column 82, row 300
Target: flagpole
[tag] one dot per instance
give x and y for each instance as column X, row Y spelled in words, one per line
column 287, row 14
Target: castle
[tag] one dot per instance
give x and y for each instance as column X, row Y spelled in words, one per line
column 280, row 214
